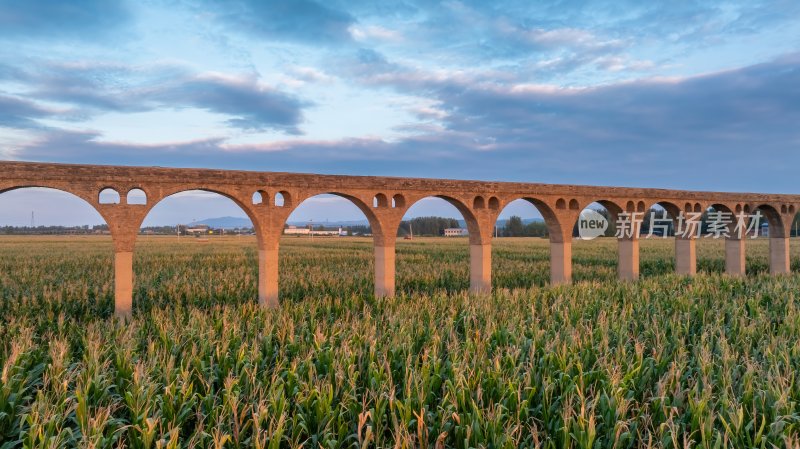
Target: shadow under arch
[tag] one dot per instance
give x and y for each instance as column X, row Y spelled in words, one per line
column 349, row 265
column 455, row 261
column 74, row 262
column 195, row 268
column 524, row 266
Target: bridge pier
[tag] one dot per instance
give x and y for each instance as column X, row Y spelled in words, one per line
column 735, row 261
column 685, row 256
column 268, row 277
column 779, row 255
column 384, row 271
column 560, row 262
column 628, row 258
column 123, row 284
column 480, row 268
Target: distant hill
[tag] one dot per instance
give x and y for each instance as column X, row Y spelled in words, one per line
column 224, row 222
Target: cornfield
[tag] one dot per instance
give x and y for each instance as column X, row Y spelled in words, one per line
column 664, row 362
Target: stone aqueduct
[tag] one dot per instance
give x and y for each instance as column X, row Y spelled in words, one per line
column 384, row 200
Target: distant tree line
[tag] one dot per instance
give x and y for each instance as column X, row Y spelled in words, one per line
column 52, row 230
column 357, row 229
column 426, row 226
column 164, row 230
column 515, row 227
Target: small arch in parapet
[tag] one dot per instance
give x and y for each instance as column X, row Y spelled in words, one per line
column 283, row 199
column 108, row 195
column 398, row 201
column 380, row 201
column 260, row 197
column 136, row 196
column 479, row 203
column 494, row 203
column 784, row 209
column 573, row 204
column 561, row 203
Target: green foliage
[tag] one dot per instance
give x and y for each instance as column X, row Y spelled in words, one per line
column 427, row 226
column 668, row 361
column 515, row 227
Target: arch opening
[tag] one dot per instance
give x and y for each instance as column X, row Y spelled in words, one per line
column 718, row 224
column 108, row 196
column 398, row 201
column 50, row 238
column 379, row 200
column 521, row 244
column 660, row 224
column 327, row 247
column 260, row 197
column 435, row 231
column 136, row 196
column 595, row 250
column 198, row 248
column 765, row 250
column 283, row 199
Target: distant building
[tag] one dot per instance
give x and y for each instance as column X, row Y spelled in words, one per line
column 455, row 232
column 294, row 230
column 328, row 233
column 198, row 229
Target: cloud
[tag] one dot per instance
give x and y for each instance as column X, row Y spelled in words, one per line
column 20, row 113
column 250, row 104
column 48, row 19
column 569, row 42
column 8, row 72
column 374, row 32
column 304, row 21
column 90, row 89
column 696, row 132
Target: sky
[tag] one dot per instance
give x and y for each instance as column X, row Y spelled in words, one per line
column 683, row 94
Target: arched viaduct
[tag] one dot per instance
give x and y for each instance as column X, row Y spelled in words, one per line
column 384, row 200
